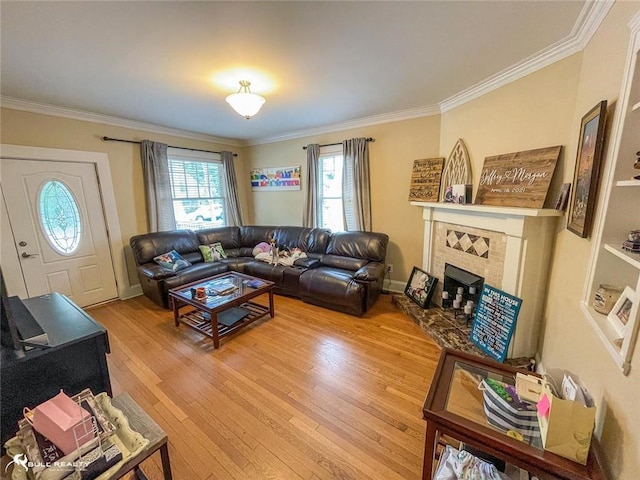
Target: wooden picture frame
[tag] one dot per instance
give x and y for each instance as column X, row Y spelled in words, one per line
column 420, row 287
column 587, row 170
column 563, row 197
column 425, row 180
column 621, row 311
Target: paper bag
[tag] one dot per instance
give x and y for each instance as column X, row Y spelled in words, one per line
column 62, row 421
column 566, row 426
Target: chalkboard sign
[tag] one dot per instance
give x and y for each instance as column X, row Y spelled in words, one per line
column 519, row 179
column 494, row 322
column 425, row 180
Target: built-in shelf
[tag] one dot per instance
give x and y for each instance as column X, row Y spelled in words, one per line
column 629, row 257
column 610, row 263
column 607, row 335
column 628, row 183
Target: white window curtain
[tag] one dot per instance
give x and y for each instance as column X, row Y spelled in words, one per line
column 310, row 213
column 234, row 214
column 356, row 191
column 155, row 169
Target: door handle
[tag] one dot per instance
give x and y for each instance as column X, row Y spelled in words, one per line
column 28, row 255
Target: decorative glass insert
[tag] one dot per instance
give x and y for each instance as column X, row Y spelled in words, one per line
column 59, row 217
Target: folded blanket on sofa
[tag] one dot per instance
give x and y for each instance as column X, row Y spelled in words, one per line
column 284, row 259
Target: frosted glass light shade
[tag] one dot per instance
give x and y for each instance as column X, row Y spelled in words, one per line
column 244, row 102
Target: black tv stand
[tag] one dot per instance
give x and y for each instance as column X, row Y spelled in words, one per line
column 76, row 359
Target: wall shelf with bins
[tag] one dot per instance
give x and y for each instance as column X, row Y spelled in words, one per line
column 610, row 263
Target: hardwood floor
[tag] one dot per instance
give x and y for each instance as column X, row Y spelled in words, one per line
column 310, row 394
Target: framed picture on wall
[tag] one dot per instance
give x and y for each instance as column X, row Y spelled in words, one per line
column 587, row 170
column 420, row 287
column 275, row 178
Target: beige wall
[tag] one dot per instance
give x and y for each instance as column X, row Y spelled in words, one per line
column 545, row 109
column 542, row 109
column 36, row 130
column 533, row 112
column 391, row 157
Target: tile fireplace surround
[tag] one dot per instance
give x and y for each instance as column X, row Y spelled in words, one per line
column 510, row 247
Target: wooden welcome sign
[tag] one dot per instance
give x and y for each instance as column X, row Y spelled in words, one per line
column 519, row 179
column 425, row 180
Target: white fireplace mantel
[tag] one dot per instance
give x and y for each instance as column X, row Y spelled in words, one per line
column 529, row 236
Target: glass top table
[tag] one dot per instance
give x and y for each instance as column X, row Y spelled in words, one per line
column 470, row 397
column 225, row 306
column 456, row 406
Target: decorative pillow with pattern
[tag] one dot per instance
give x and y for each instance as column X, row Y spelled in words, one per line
column 172, row 261
column 213, row 252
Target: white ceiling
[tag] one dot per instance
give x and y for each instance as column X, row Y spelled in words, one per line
column 318, row 63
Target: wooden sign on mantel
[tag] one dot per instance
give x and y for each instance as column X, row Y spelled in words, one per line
column 519, row 179
column 425, row 180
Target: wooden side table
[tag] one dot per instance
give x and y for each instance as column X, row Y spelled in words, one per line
column 454, row 407
column 143, row 424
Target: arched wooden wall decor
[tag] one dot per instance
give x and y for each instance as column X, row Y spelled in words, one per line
column 457, row 169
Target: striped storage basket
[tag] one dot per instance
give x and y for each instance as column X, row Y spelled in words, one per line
column 511, row 414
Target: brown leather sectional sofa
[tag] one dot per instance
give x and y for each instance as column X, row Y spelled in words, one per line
column 344, row 271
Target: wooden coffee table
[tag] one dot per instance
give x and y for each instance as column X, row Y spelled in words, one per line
column 203, row 314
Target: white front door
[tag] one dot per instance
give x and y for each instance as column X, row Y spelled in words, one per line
column 58, row 227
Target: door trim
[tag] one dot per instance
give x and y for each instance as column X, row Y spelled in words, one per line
column 101, row 162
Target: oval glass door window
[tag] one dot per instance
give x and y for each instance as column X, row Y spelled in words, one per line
column 59, row 217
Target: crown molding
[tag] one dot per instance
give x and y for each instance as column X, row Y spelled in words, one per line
column 397, row 116
column 590, row 18
column 47, row 109
column 634, row 23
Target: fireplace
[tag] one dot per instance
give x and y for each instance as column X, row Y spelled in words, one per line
column 457, row 278
column 507, row 248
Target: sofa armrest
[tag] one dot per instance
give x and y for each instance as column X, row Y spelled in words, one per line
column 155, row 272
column 371, row 272
column 307, row 262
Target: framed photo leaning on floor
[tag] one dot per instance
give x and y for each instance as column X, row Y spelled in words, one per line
column 420, row 287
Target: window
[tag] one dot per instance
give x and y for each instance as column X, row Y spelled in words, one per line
column 197, row 191
column 59, row 217
column 330, row 191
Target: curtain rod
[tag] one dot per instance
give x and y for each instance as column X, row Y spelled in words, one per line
column 109, row 139
column 369, row 139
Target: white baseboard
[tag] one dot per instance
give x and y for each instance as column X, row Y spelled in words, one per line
column 394, row 286
column 130, row 292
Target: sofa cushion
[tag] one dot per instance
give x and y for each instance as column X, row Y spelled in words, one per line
column 253, row 235
column 229, row 237
column 194, row 273
column 306, row 239
column 265, row 271
column 369, row 245
column 146, row 247
column 345, row 263
column 332, row 286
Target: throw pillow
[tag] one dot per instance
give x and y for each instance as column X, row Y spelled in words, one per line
column 262, row 247
column 213, row 252
column 218, row 247
column 172, row 261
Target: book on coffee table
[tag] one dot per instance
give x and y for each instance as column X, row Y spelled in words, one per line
column 223, row 287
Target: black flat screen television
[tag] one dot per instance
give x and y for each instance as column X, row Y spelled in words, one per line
column 9, row 337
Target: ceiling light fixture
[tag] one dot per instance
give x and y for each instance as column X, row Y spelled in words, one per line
column 244, row 102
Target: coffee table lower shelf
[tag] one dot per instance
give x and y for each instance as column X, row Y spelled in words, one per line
column 201, row 321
